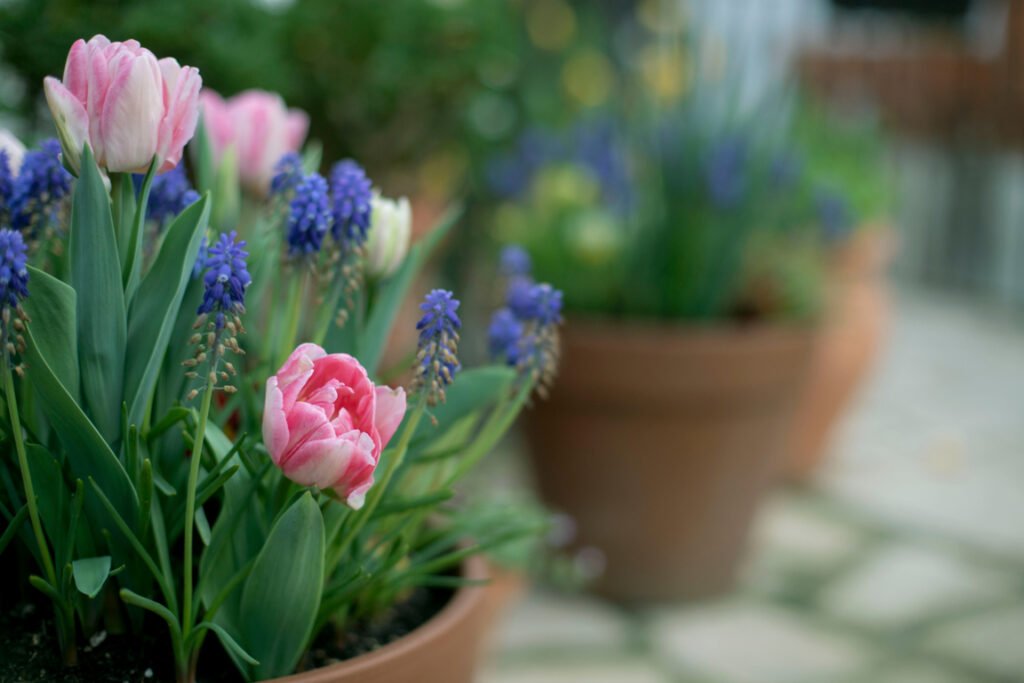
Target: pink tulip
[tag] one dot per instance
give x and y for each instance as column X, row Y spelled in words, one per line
column 325, row 423
column 259, row 126
column 125, row 104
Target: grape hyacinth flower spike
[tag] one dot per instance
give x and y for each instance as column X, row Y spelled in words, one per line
column 13, row 288
column 225, row 280
column 514, row 262
column 169, row 195
column 309, row 216
column 437, row 360
column 38, row 190
column 351, row 204
column 287, row 175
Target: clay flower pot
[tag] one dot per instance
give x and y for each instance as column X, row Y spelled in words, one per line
column 660, row 441
column 443, row 650
column 851, row 335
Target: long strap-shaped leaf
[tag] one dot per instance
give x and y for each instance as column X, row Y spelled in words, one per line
column 96, row 279
column 156, row 305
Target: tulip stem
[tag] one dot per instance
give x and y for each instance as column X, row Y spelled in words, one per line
column 190, row 496
column 26, row 475
column 294, row 305
column 65, row 618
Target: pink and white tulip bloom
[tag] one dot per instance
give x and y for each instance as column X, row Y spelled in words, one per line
column 325, row 423
column 127, row 105
column 261, row 129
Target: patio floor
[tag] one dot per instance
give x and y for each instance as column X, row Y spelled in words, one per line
column 902, row 563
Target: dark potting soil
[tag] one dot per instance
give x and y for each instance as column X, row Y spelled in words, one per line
column 29, row 653
column 331, row 647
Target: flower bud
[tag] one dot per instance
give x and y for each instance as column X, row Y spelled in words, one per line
column 388, row 241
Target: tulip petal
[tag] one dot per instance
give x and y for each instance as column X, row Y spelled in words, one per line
column 132, row 112
column 306, row 423
column 181, row 115
column 320, row 463
column 275, row 422
column 71, row 120
column 390, row 411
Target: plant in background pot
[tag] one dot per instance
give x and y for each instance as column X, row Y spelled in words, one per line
column 196, row 439
column 853, row 200
column 685, row 242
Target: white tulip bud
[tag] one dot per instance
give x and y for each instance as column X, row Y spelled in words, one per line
column 14, row 148
column 390, row 231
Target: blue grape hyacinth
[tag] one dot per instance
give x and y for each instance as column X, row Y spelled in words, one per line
column 38, row 189
column 6, row 186
column 309, row 216
column 226, row 279
column 504, row 335
column 287, row 174
column 351, row 194
column 514, row 261
column 169, row 195
column 834, row 214
column 13, row 288
column 437, row 360
column 725, row 172
column 13, row 268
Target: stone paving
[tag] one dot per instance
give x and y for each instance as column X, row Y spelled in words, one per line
column 902, row 563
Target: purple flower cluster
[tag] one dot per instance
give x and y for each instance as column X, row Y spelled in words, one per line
column 437, row 360
column 226, row 278
column 523, row 333
column 350, row 204
column 13, row 268
column 169, row 195
column 37, row 191
column 287, row 174
column 309, row 216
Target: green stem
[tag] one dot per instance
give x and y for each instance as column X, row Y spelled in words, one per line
column 26, row 475
column 373, row 499
column 190, row 496
column 328, row 310
column 291, row 329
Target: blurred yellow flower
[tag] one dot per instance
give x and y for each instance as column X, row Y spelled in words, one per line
column 564, row 186
column 595, row 238
column 665, row 71
column 551, row 24
column 587, row 77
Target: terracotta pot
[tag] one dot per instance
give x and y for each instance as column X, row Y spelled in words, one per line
column 443, row 650
column 661, row 441
column 851, row 335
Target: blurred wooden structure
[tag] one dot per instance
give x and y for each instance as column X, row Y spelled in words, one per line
column 932, row 85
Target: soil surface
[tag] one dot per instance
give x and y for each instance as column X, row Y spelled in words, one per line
column 29, row 653
column 332, row 647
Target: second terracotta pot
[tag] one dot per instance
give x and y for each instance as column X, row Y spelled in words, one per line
column 446, row 649
column 660, row 441
column 851, row 336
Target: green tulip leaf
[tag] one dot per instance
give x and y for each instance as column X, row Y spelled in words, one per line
column 472, row 390
column 282, row 594
column 90, row 574
column 96, row 278
column 156, row 305
column 51, row 307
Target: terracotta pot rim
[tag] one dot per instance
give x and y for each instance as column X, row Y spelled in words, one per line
column 463, row 602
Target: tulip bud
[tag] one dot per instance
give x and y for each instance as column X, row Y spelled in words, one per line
column 388, row 241
column 15, row 151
